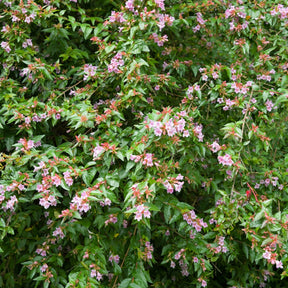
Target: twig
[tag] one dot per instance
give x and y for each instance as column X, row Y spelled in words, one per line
column 69, row 88
column 174, row 230
column 241, row 140
column 114, row 284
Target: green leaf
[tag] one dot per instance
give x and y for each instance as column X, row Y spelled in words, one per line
column 2, row 223
column 125, row 283
column 109, row 48
column 245, row 250
column 284, row 82
column 113, row 182
column 167, row 213
column 134, row 285
column 177, row 216
column 117, row 269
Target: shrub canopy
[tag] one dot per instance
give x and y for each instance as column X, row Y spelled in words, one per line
column 143, row 143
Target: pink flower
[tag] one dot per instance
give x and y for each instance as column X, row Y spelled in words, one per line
column 97, row 151
column 10, row 203
column 115, row 258
column 99, row 276
column 266, row 255
column 58, row 231
column 215, row 147
column 21, row 187
column 43, row 268
column 160, row 4
column 225, row 160
column 67, row 178
column 93, row 273
column 56, row 180
column 81, row 203
column 148, row 159
column 89, row 71
column 269, row 105
column 215, row 75
column 112, row 219
column 5, row 46
column 130, row 5
column 279, row 264
column 115, row 63
column 186, row 133
column 142, row 210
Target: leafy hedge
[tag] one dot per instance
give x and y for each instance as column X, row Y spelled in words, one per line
column 143, row 143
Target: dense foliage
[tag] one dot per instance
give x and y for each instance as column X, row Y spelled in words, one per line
column 143, row 143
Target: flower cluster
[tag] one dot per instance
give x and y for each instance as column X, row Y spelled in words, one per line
column 273, row 181
column 229, row 104
column 271, row 258
column 95, row 273
column 112, row 219
column 117, row 17
column 158, row 39
column 215, row 147
column 281, row 10
column 180, row 254
column 174, row 183
column 225, row 160
column 198, row 131
column 192, row 220
column 44, row 267
column 240, row 88
column 221, row 247
column 160, row 4
column 129, row 4
column 171, row 127
column 89, row 71
column 191, row 89
column 106, row 202
column 139, row 193
column 2, row 193
column 142, row 211
column 116, row 62
column 99, row 149
column 40, row 117
column 115, row 258
column 68, row 179
column 203, row 282
column 269, row 105
column 81, row 203
column 27, row 42
column 58, row 232
column 10, row 203
column 47, row 200
column 164, row 19
column 182, row 262
column 201, row 22
column 147, row 254
column 236, row 13
column 5, row 46
column 27, row 144
column 146, row 159
column 43, row 250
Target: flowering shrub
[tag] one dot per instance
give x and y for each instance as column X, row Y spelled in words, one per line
column 143, row 143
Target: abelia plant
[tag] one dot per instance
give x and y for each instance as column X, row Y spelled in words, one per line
column 143, row 143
